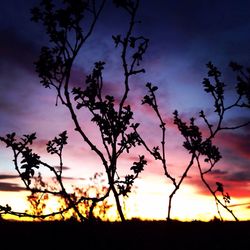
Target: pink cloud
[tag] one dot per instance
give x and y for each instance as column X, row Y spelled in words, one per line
column 237, row 188
column 236, row 143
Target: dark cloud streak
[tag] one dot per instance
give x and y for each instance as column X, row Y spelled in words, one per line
column 10, row 187
column 240, row 176
column 8, row 176
column 16, row 52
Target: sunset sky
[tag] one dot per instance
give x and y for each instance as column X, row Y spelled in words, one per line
column 184, row 37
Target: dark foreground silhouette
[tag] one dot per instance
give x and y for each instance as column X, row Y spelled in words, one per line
column 128, row 235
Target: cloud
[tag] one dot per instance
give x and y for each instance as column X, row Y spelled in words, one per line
column 16, row 52
column 240, row 176
column 8, row 176
column 236, row 184
column 135, row 158
column 18, row 81
column 10, row 187
column 218, row 172
column 238, row 143
column 241, row 204
column 73, row 178
column 63, row 167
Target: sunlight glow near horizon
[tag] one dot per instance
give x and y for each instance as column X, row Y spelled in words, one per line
column 149, row 204
column 149, row 201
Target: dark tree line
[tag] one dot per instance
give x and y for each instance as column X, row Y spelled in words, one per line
column 68, row 26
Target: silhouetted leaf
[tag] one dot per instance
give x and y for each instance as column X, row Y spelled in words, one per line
column 139, row 166
column 220, row 187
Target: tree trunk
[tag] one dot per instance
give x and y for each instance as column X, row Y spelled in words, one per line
column 118, row 204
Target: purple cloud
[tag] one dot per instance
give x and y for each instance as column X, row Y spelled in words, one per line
column 63, row 167
column 10, row 187
column 16, row 52
column 7, row 176
column 239, row 176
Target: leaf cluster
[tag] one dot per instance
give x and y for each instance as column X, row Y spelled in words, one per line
column 150, row 99
column 55, row 146
column 194, row 141
column 225, row 195
column 125, row 185
column 111, row 122
column 243, row 82
column 59, row 23
column 30, row 160
column 216, row 89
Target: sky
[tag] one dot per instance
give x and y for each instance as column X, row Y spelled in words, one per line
column 184, row 37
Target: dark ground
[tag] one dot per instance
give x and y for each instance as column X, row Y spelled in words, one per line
column 129, row 235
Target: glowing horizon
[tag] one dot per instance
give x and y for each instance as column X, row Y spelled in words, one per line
column 149, row 201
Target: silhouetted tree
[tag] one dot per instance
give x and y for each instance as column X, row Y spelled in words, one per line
column 68, row 27
column 203, row 153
